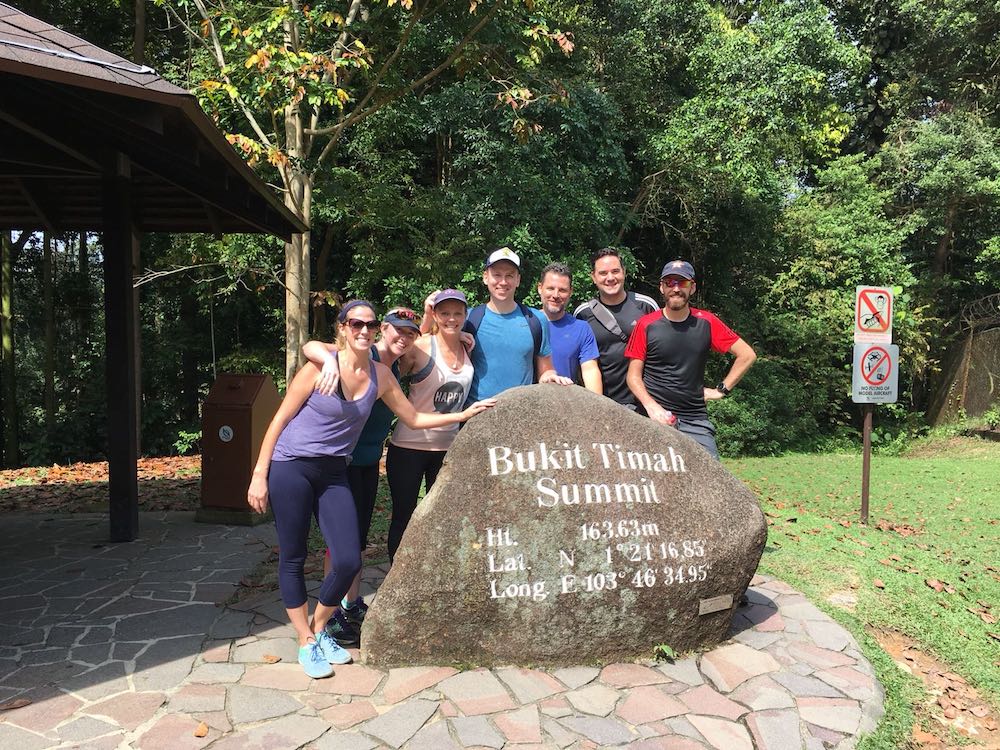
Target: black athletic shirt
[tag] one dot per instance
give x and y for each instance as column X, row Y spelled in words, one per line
column 675, row 355
column 612, row 361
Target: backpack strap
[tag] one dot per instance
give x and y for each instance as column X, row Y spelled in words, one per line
column 474, row 319
column 534, row 324
column 606, row 318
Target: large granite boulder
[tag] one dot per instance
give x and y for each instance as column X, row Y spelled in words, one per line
column 564, row 529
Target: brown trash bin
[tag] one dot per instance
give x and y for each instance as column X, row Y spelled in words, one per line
column 234, row 418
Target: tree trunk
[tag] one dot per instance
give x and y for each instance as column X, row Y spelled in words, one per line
column 139, row 35
column 189, row 360
column 10, row 446
column 49, row 358
column 298, row 198
column 943, row 249
column 322, row 263
column 86, row 299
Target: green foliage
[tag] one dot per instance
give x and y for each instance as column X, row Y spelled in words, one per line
column 187, row 442
column 663, row 652
column 992, row 418
column 770, row 412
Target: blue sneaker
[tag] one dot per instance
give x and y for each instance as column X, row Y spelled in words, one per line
column 331, row 650
column 313, row 661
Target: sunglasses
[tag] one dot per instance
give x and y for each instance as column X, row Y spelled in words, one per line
column 405, row 314
column 679, row 283
column 356, row 325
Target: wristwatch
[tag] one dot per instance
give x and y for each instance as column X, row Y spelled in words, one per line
column 721, row 388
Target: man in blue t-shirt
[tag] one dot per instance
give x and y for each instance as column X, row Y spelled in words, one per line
column 574, row 348
column 506, row 353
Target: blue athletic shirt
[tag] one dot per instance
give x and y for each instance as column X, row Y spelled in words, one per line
column 573, row 343
column 504, row 353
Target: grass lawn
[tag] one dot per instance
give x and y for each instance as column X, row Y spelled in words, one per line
column 927, row 565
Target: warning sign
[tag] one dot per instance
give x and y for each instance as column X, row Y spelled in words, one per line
column 873, row 315
column 876, row 373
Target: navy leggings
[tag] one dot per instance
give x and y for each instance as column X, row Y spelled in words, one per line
column 364, row 487
column 303, row 489
column 407, row 468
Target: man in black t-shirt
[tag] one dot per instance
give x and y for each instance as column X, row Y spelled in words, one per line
column 612, row 316
column 667, row 354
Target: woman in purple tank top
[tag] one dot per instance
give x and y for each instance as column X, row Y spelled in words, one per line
column 302, row 471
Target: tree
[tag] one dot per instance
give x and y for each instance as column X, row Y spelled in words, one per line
column 290, row 80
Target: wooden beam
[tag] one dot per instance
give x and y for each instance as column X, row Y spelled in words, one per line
column 119, row 243
column 38, row 198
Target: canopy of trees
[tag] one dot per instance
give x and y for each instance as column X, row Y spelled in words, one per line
column 791, row 150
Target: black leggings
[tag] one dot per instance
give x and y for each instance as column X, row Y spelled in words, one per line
column 303, row 489
column 364, row 487
column 407, row 468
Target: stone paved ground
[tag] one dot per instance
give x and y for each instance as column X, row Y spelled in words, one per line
column 124, row 646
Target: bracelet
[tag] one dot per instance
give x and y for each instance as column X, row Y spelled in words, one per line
column 721, row 388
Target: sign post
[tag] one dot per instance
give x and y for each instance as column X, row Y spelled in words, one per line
column 875, row 376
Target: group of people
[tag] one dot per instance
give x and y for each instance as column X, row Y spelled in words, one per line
column 320, row 456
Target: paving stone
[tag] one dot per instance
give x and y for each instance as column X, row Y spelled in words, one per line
column 231, row 624
column 574, row 677
column 755, row 639
column 476, row 692
column 215, row 652
column 57, row 673
column 704, row 700
column 557, row 733
column 520, row 726
column 400, row 722
column 215, row 719
column 530, row 685
column 346, row 715
column 94, row 655
column 631, row 675
column 287, row 732
column 433, row 736
column 42, row 716
column 217, row 673
column 722, row 734
column 98, row 683
column 775, row 729
column 22, row 739
column 166, row 663
column 407, row 681
column 827, row 736
column 280, row 677
column 344, row 741
column 129, row 710
column 196, row 697
column 681, row 726
column 187, row 619
column 829, row 635
column 33, row 657
column 803, row 610
column 683, row 670
column 820, row 658
column 665, row 743
column 126, row 650
column 762, row 693
column 850, row 681
column 839, row 714
column 350, row 679
column 86, row 728
column 247, row 704
column 645, row 704
column 596, row 699
column 286, row 648
column 799, row 685
column 599, row 730
column 174, row 732
column 728, row 666
column 556, row 707
column 476, row 731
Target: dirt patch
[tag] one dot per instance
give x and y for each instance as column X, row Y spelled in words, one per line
column 951, row 447
column 953, row 707
column 171, row 483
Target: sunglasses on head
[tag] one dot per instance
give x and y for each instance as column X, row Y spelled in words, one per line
column 679, row 283
column 404, row 314
column 356, row 324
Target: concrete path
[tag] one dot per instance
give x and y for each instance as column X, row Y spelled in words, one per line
column 125, row 646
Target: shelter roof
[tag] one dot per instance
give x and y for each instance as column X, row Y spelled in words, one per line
column 70, row 107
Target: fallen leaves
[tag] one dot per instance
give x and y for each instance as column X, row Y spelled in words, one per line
column 271, row 659
column 16, row 703
column 878, row 583
column 201, row 730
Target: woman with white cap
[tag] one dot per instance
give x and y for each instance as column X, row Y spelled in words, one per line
column 440, row 374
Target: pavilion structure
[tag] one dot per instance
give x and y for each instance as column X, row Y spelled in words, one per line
column 90, row 141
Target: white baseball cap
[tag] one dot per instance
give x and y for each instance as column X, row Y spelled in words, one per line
column 503, row 253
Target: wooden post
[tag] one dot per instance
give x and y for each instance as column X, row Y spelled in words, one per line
column 866, row 460
column 120, row 240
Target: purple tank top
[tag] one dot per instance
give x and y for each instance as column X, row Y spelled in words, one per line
column 326, row 425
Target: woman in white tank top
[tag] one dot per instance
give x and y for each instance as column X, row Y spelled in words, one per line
column 440, row 374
